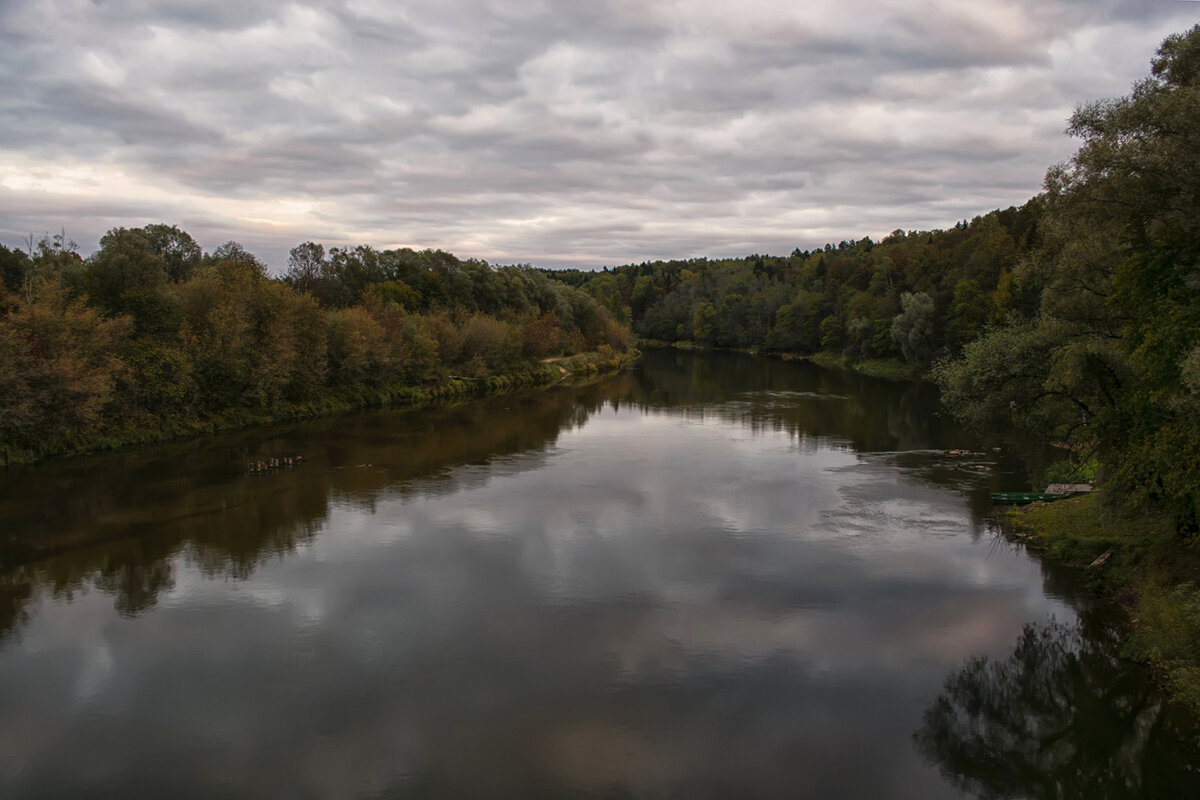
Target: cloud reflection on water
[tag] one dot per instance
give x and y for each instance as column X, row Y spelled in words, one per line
column 665, row 598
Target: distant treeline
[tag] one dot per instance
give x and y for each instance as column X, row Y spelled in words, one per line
column 913, row 295
column 149, row 336
column 1072, row 319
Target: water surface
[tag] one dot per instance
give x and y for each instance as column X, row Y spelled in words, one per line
column 711, row 576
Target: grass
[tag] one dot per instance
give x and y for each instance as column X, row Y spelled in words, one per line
column 892, row 369
column 886, row 368
column 873, row 367
column 1152, row 571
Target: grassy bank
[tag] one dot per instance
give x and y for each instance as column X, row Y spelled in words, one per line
column 1144, row 565
column 873, row 367
column 685, row 344
column 889, row 368
column 151, row 430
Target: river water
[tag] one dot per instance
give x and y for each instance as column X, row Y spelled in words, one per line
column 709, row 576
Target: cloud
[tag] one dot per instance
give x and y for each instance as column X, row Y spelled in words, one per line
column 551, row 132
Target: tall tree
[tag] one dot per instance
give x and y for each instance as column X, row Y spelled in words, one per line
column 1119, row 274
column 178, row 250
column 306, row 266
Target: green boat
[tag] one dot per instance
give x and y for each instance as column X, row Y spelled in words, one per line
column 1021, row 498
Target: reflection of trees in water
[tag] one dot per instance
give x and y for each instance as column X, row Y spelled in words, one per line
column 1061, row 717
column 797, row 397
column 15, row 595
column 135, row 585
column 873, row 415
column 119, row 522
column 893, row 421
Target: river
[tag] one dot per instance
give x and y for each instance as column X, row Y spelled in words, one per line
column 708, row 576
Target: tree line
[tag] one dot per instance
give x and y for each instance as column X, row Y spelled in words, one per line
column 151, row 336
column 1074, row 318
column 913, row 295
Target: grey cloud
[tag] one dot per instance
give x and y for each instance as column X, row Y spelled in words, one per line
column 186, row 13
column 553, row 132
column 127, row 119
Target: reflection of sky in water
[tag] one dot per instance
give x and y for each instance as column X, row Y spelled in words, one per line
column 670, row 603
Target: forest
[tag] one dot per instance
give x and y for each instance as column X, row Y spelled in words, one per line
column 149, row 337
column 1073, row 319
column 915, row 295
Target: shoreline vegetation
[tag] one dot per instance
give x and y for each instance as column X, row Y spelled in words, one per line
column 1137, row 562
column 150, row 339
column 454, row 388
column 887, row 368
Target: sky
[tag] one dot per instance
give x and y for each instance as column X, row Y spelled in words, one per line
column 561, row 134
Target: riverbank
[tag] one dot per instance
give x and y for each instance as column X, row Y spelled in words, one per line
column 891, row 369
column 1141, row 563
column 154, row 430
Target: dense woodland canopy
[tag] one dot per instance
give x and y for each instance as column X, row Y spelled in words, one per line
column 150, row 336
column 916, row 294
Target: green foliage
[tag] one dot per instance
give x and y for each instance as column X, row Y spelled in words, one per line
column 14, row 267
column 832, row 333
column 1002, row 383
column 233, row 252
column 488, row 341
column 1107, row 357
column 1072, row 470
column 912, row 328
column 1169, row 637
column 357, row 348
column 160, row 378
column 798, row 324
column 58, row 372
column 968, row 314
column 150, row 337
column 307, row 267
column 704, row 326
column 124, row 262
column 1148, row 565
column 843, row 298
column 179, row 252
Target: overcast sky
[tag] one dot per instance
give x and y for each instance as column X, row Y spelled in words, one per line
column 545, row 131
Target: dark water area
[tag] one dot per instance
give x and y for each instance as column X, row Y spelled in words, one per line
column 709, row 576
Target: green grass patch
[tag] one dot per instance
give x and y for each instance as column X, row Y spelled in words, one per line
column 1151, row 570
column 829, row 360
column 885, row 368
column 1168, row 637
column 872, row 367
